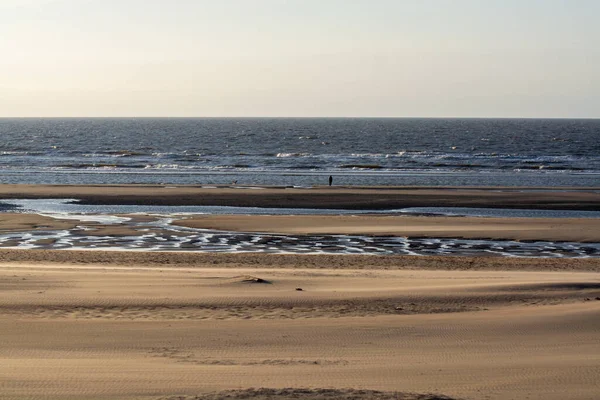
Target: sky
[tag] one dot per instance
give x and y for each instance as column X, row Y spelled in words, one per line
column 300, row 58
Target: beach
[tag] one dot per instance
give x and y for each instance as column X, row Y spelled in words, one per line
column 299, row 200
column 149, row 326
column 86, row 324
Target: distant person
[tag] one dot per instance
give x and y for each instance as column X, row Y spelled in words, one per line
column 330, row 180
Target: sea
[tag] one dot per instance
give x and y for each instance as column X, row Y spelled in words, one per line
column 302, row 152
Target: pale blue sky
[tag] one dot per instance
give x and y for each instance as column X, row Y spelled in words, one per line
column 425, row 58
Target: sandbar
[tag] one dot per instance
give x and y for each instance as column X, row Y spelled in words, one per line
column 583, row 230
column 544, row 229
column 340, row 197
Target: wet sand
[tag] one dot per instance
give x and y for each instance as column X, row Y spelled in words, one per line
column 352, row 198
column 99, row 325
column 547, row 229
column 584, row 230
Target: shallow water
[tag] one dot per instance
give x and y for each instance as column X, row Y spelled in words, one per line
column 160, row 234
column 66, row 208
column 164, row 237
column 71, row 206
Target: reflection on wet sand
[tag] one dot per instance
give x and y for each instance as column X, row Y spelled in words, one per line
column 159, row 234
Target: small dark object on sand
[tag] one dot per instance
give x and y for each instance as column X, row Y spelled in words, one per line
column 253, row 279
column 299, row 289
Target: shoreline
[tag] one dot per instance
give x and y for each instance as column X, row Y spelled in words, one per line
column 557, row 230
column 337, row 197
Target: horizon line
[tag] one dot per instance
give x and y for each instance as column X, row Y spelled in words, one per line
column 286, row 117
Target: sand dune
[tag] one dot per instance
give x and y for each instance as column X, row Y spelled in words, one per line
column 193, row 330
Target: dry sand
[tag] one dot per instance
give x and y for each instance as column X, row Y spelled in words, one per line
column 136, row 325
column 94, row 325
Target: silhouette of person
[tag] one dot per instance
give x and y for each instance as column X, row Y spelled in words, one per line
column 330, row 180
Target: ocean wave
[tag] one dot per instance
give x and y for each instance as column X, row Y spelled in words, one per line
column 361, row 155
column 124, row 153
column 19, row 153
column 548, row 168
column 285, row 155
column 162, row 166
column 98, row 165
column 305, row 167
column 362, row 166
column 406, row 160
column 235, row 166
column 180, row 155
